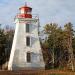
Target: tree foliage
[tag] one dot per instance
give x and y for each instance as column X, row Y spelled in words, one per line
column 60, row 43
column 6, row 36
column 2, row 45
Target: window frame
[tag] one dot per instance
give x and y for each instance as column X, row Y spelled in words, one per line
column 27, row 27
column 28, row 41
column 28, row 57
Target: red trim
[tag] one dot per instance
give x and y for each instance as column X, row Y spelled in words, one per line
column 26, row 8
column 24, row 16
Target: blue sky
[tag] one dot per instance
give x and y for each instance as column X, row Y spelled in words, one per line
column 58, row 11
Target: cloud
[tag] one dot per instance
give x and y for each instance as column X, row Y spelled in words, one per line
column 59, row 11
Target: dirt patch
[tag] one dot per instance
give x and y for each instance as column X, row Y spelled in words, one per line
column 37, row 72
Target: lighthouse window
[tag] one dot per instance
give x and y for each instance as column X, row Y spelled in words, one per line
column 28, row 57
column 27, row 27
column 28, row 41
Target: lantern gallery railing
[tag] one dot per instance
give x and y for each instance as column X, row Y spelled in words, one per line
column 34, row 16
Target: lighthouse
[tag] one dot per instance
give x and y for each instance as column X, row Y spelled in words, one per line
column 26, row 52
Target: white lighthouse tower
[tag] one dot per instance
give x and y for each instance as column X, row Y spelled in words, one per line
column 26, row 51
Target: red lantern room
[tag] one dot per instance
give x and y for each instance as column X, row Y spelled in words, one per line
column 25, row 12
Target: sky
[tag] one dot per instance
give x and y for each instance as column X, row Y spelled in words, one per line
column 55, row 11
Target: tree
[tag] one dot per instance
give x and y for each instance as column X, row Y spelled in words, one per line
column 50, row 30
column 59, row 44
column 2, row 45
column 6, row 36
column 9, row 33
column 69, row 35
